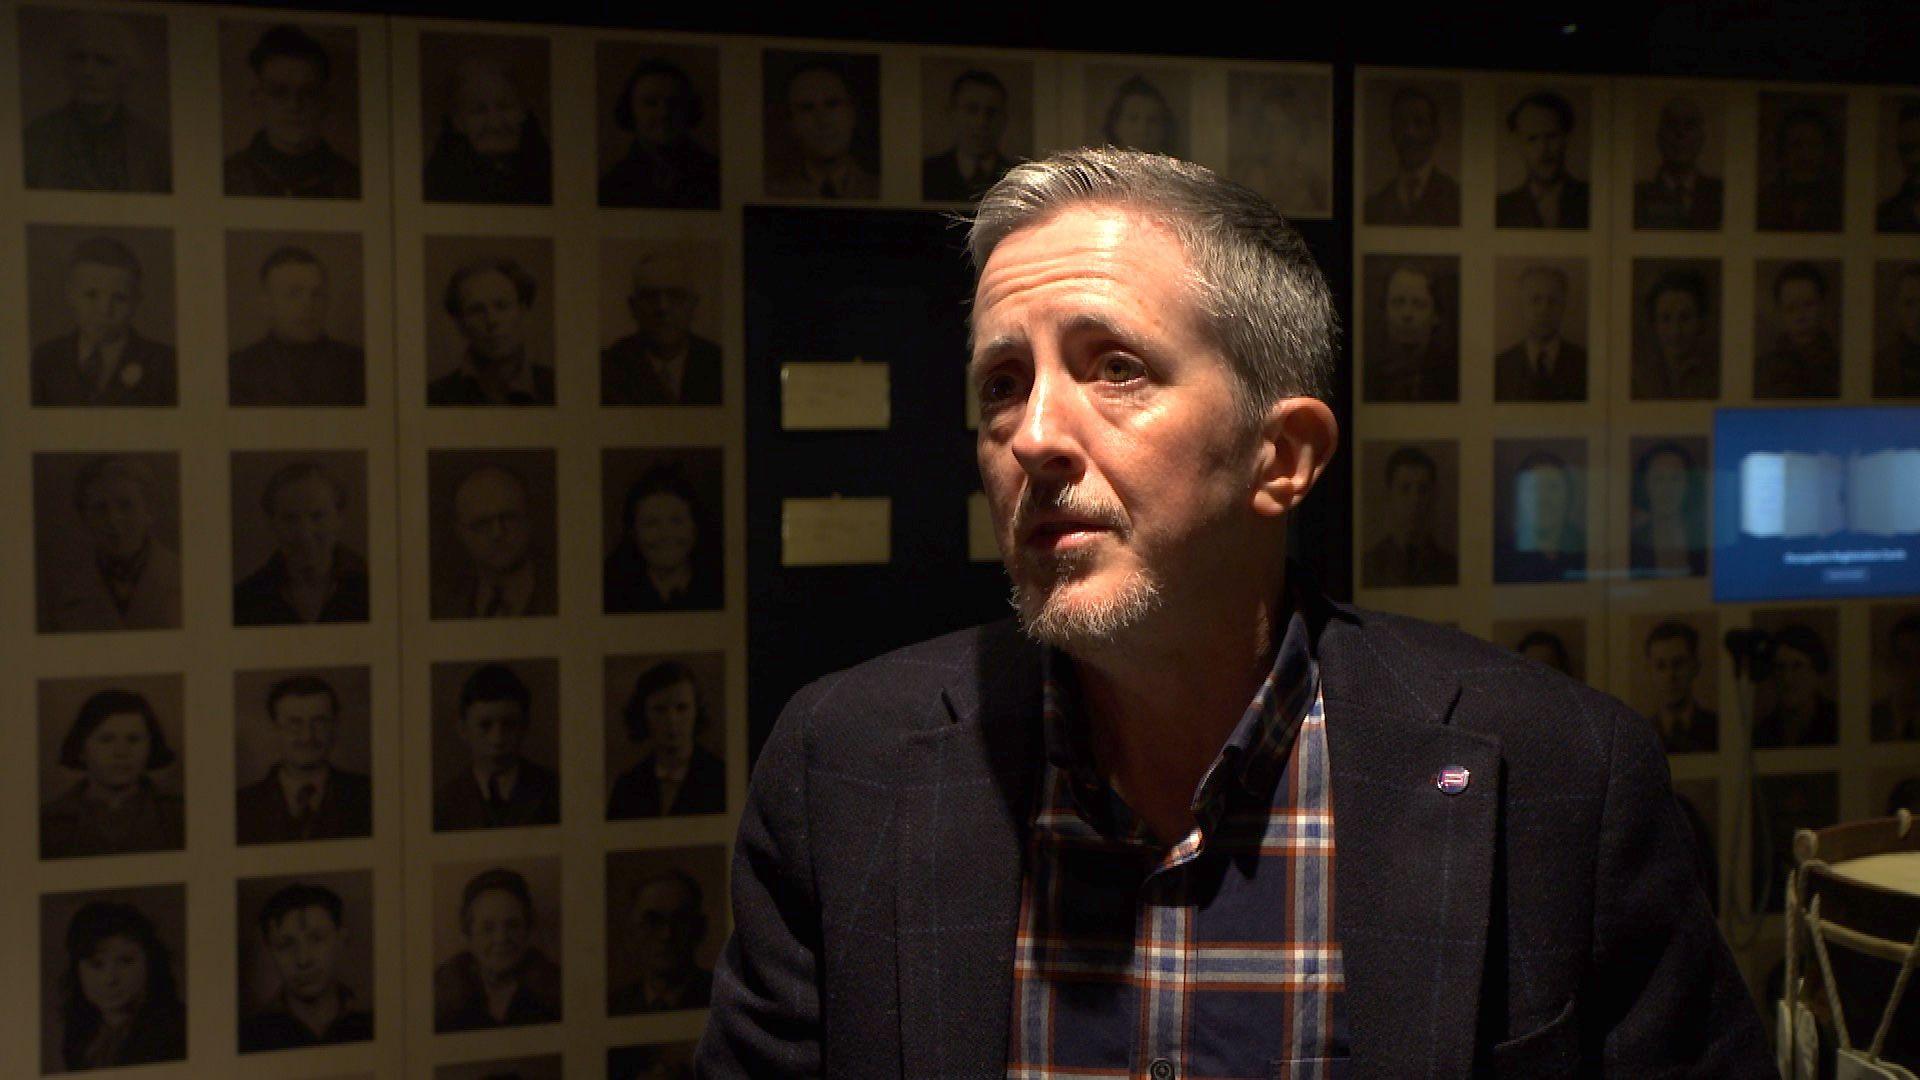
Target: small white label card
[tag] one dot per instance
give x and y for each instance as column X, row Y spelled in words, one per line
column 836, row 531
column 827, row 396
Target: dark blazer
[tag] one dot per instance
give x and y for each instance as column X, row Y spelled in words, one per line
column 1516, row 209
column 1547, row 920
column 460, row 997
column 460, row 804
column 940, row 179
column 257, row 600
column 457, row 387
column 1657, row 205
column 345, row 810
column 1512, row 381
column 636, row 792
column 57, row 381
column 627, row 378
column 1439, row 203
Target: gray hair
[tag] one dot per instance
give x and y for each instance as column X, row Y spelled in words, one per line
column 1264, row 299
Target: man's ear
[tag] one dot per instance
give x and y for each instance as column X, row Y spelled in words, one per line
column 1298, row 436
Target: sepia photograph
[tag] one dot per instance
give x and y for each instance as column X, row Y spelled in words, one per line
column 100, row 313
column 1667, row 512
column 1797, row 704
column 299, row 537
column 94, row 96
column 657, row 118
column 1699, row 801
column 1136, row 108
column 1280, row 138
column 660, row 322
column 1896, row 329
column 1410, row 343
column 496, row 944
column 305, row 953
column 1676, row 330
column 1675, row 678
column 296, row 324
column 1410, row 152
column 1783, row 805
column 1895, row 690
column 666, row 922
column 1561, row 644
column 1796, row 328
column 535, row 1067
column 1898, row 210
column 666, row 735
column 1540, row 329
column 659, row 1061
column 495, row 744
column 1895, row 789
column 1544, row 158
column 976, row 122
column 660, row 515
column 302, row 754
column 1539, row 511
column 485, row 111
column 489, row 305
column 113, row 978
column 821, row 124
column 112, row 765
column 1679, row 159
column 1801, row 162
column 289, row 110
column 1412, row 524
column 106, row 531
column 491, row 533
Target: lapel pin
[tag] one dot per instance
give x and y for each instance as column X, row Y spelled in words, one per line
column 1452, row 779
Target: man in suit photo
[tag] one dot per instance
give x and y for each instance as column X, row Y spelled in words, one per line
column 663, row 362
column 1680, row 195
column 304, row 929
column 289, row 154
column 499, row 787
column 296, row 362
column 822, row 117
column 104, row 359
column 313, row 576
column 505, row 574
column 1550, row 197
column 974, row 856
column 122, row 575
column 977, row 116
column 1420, row 192
column 1686, row 726
column 1803, row 360
column 1543, row 365
column 304, row 795
column 1409, row 554
column 100, row 138
column 665, row 922
column 490, row 301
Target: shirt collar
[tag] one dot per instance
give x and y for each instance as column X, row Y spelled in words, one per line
column 522, row 382
column 290, row 786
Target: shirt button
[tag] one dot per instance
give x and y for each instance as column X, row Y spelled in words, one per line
column 1161, row 1069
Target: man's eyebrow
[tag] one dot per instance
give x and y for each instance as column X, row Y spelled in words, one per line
column 993, row 347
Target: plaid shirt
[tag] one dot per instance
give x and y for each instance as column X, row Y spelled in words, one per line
column 1209, row 959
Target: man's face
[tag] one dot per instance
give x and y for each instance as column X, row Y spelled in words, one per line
column 1548, row 488
column 306, row 523
column 493, row 732
column 1143, row 123
column 657, row 109
column 306, row 726
column 114, row 510
column 488, row 110
column 102, row 299
column 663, row 529
column 1115, row 480
column 1803, row 151
column 662, row 306
column 822, row 115
column 492, row 318
column 306, row 947
column 1682, row 134
column 498, row 931
column 116, row 752
column 1795, row 681
column 1415, row 131
column 291, row 97
column 668, row 927
column 1906, row 308
column 1673, row 666
column 295, row 297
column 1677, row 324
column 671, row 713
column 1410, row 499
column 979, row 115
column 99, row 61
column 1800, row 306
column 490, row 510
column 1906, row 140
column 114, row 977
column 1667, row 487
column 1543, row 143
column 1544, row 299
column 1412, row 315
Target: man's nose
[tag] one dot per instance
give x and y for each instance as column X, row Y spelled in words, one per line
column 1046, row 441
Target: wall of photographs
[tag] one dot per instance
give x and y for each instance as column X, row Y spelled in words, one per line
column 1557, row 281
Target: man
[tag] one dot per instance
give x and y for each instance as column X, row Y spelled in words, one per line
column 1679, row 196
column 1804, row 361
column 505, row 576
column 125, row 578
column 104, row 360
column 304, row 795
column 296, row 362
column 1672, row 653
column 1900, row 212
column 1801, row 713
column 1416, row 361
column 977, row 113
column 1408, row 555
column 995, row 854
column 489, row 300
column 500, row 788
column 1896, row 367
column 1804, row 193
column 311, row 577
column 94, row 142
column 821, row 116
column 664, row 167
column 1420, row 193
column 1543, row 365
column 1672, row 358
column 289, row 154
column 1550, row 197
column 1897, row 715
column 668, row 922
column 663, row 362
column 305, row 932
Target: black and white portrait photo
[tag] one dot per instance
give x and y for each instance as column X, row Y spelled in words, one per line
column 660, row 511
column 495, row 744
column 492, row 533
column 100, row 311
column 113, row 978
column 305, row 949
column 1540, row 329
column 1676, row 330
column 1410, row 344
column 1895, row 631
column 1899, row 187
column 1796, row 328
column 1280, row 138
column 489, row 305
column 665, row 735
column 290, row 110
column 496, row 943
column 534, row 1067
column 1798, row 703
column 1410, row 152
column 94, row 96
column 1679, row 158
column 300, row 537
column 1543, row 162
column 1561, row 644
column 665, row 925
column 1783, row 805
column 1676, row 680
column 1894, row 789
column 111, row 765
column 1667, row 513
column 654, row 1061
column 659, row 318
column 302, row 755
column 485, row 111
column 1802, row 162
column 106, row 533
column 295, row 321
column 822, row 125
column 1896, row 329
column 1134, row 108
column 658, row 121
column 1539, row 511
column 1412, row 523
column 976, row 122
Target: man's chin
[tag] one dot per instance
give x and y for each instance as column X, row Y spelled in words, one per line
column 1074, row 615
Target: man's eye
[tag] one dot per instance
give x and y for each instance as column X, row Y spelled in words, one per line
column 1119, row 368
column 996, row 388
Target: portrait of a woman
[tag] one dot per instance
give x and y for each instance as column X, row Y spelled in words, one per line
column 675, row 774
column 1668, row 533
column 501, row 979
column 120, row 1003
column 664, row 560
column 115, row 744
column 1139, row 118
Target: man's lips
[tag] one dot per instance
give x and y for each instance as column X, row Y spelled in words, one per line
column 1056, row 535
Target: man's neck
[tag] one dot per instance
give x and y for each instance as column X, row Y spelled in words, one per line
column 112, row 797
column 303, row 774
column 318, row 1014
column 299, row 149
column 95, row 115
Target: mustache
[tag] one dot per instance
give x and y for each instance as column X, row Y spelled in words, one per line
column 1072, row 499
